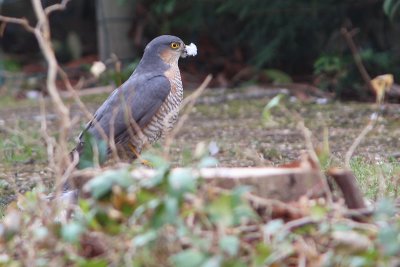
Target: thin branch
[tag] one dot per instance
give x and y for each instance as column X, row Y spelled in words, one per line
column 56, row 7
column 111, row 142
column 81, row 105
column 348, row 36
column 307, row 137
column 359, row 138
column 42, row 34
column 50, row 142
column 21, row 21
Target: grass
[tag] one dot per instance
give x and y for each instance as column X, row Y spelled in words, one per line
column 236, row 127
column 21, row 143
column 377, row 179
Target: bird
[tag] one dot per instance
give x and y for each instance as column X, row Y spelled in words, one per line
column 146, row 106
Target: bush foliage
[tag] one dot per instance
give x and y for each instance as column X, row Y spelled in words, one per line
column 175, row 219
column 293, row 36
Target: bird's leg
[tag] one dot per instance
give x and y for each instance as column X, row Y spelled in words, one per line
column 142, row 161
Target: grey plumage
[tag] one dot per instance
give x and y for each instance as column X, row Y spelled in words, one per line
column 151, row 97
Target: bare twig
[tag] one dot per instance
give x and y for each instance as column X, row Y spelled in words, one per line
column 81, row 105
column 311, row 151
column 55, row 7
column 290, row 226
column 58, row 155
column 21, row 21
column 50, row 142
column 42, row 34
column 348, row 36
column 111, row 141
column 276, row 207
column 359, row 138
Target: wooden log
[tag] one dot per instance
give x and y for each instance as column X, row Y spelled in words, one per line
column 394, row 92
column 284, row 184
column 347, row 183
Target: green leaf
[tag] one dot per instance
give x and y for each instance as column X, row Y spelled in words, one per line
column 72, row 231
column 262, row 252
column 213, row 262
column 391, row 7
column 273, row 226
column 157, row 162
column 101, row 185
column 234, row 263
column 144, row 239
column 274, row 102
column 94, row 263
column 387, row 4
column 87, row 158
column 238, row 192
column 188, row 258
column 388, row 238
column 278, row 76
column 229, row 244
column 181, row 181
column 318, row 212
column 241, row 209
column 385, row 209
column 167, row 212
column 221, row 210
column 41, row 233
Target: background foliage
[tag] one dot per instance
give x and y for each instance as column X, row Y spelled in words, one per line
column 300, row 37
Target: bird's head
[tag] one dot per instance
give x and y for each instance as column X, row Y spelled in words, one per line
column 167, row 47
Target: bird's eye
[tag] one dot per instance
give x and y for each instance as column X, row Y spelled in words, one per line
column 175, row 45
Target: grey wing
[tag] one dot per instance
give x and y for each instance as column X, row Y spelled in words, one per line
column 142, row 98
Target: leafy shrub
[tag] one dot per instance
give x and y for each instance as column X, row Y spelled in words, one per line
column 175, row 219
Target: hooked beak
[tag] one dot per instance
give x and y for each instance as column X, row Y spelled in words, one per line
column 184, row 52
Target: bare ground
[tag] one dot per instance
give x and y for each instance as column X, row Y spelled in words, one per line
column 236, row 128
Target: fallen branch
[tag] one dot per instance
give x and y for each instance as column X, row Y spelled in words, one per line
column 348, row 36
column 282, row 184
column 347, row 183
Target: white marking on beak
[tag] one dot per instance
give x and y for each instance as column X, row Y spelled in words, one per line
column 191, row 50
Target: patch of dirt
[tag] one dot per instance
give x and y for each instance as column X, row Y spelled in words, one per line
column 235, row 126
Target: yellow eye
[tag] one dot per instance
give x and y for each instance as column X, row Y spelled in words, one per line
column 175, row 45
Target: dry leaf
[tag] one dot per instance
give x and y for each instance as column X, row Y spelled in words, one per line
column 382, row 84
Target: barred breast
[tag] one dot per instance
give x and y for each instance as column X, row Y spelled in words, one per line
column 166, row 117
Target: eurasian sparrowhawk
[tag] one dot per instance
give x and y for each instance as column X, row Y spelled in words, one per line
column 146, row 106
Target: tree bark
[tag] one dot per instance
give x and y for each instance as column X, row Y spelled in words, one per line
column 347, row 183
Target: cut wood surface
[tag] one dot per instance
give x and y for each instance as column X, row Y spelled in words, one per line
column 285, row 184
